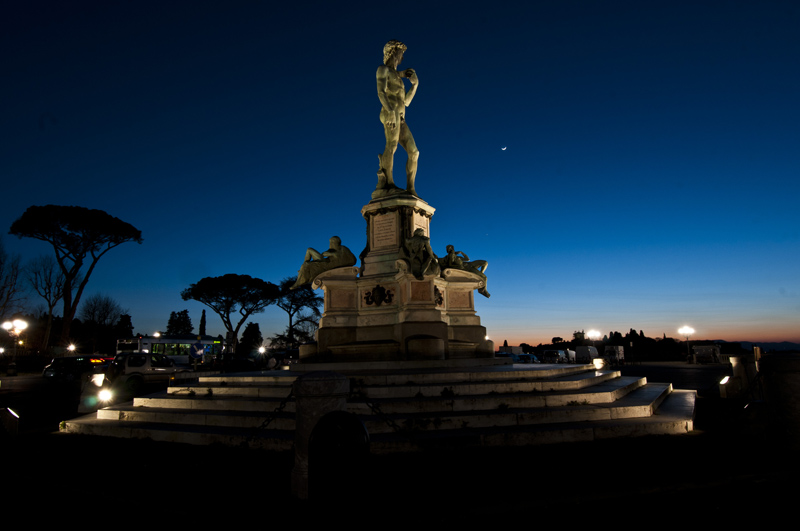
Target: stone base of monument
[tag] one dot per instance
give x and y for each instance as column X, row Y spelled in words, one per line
column 397, row 317
column 387, row 310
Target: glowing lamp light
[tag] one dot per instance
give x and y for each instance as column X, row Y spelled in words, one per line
column 724, row 380
column 686, row 331
column 15, row 327
column 105, row 395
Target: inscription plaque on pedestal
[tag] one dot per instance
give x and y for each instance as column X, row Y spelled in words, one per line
column 384, row 231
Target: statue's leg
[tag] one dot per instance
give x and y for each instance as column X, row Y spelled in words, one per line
column 407, row 141
column 312, row 253
column 387, row 159
column 387, row 163
column 480, row 265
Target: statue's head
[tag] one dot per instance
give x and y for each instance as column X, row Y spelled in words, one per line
column 335, row 242
column 390, row 49
column 419, row 232
column 450, row 249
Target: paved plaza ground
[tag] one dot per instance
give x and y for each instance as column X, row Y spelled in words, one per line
column 725, row 473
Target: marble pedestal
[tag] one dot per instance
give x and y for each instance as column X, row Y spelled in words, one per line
column 382, row 312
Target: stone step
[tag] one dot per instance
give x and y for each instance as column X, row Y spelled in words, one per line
column 428, row 382
column 258, row 398
column 397, row 366
column 639, row 403
column 276, row 440
column 604, row 392
column 511, row 384
column 675, row 416
column 419, row 374
column 282, row 420
column 203, row 390
column 218, row 402
column 420, row 407
column 252, row 413
column 278, row 378
column 474, row 374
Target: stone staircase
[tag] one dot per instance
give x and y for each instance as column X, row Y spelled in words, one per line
column 408, row 406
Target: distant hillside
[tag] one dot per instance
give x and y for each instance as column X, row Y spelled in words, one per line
column 766, row 347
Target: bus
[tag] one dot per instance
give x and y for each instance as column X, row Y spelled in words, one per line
column 178, row 348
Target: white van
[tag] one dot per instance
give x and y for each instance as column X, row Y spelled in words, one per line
column 585, row 354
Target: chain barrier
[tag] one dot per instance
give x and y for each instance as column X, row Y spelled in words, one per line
column 357, row 392
column 272, row 416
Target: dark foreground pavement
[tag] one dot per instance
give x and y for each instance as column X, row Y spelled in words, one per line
column 732, row 471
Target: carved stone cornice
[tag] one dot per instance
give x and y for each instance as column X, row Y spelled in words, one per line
column 398, row 208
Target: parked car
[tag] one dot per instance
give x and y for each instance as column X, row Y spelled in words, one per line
column 135, row 369
column 71, row 368
column 554, row 356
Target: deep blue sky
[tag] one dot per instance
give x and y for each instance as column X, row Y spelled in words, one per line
column 650, row 178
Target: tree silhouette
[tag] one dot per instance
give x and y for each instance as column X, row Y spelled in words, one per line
column 46, row 279
column 99, row 314
column 124, row 327
column 231, row 294
column 251, row 338
column 294, row 302
column 202, row 328
column 10, row 292
column 179, row 323
column 79, row 236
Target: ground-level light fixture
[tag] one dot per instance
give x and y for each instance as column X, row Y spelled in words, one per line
column 105, row 395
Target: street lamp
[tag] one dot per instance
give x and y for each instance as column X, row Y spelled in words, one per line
column 14, row 329
column 686, row 331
